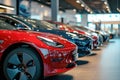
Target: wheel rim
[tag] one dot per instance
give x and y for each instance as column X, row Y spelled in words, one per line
column 21, row 66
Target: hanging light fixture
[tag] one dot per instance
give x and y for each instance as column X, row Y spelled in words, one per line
column 82, row 5
column 77, row 1
column 105, row 3
column 107, row 6
column 74, row 10
column 118, row 9
column 118, row 6
column 6, row 7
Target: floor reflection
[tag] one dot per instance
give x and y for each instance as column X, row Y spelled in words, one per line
column 81, row 62
column 92, row 54
column 60, row 77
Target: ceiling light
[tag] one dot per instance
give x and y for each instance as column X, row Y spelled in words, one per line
column 7, row 7
column 118, row 9
column 118, row 6
column 82, row 5
column 60, row 12
column 105, row 3
column 42, row 6
column 77, row 1
column 74, row 10
column 91, row 12
column 108, row 10
column 88, row 10
column 107, row 7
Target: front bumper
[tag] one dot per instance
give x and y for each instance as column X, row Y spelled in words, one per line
column 95, row 44
column 59, row 61
column 84, row 48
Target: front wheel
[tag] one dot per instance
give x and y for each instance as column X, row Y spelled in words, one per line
column 22, row 64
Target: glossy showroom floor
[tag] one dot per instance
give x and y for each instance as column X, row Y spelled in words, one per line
column 105, row 65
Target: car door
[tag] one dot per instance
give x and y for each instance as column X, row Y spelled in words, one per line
column 4, row 34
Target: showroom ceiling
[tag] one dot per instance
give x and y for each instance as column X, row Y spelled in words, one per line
column 87, row 6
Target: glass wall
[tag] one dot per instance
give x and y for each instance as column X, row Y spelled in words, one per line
column 103, row 17
column 112, row 28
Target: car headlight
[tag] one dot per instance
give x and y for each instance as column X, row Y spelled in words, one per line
column 83, row 43
column 72, row 35
column 82, row 38
column 50, row 42
column 80, row 43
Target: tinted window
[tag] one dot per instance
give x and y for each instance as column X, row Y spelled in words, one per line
column 48, row 25
column 4, row 25
column 13, row 22
column 36, row 23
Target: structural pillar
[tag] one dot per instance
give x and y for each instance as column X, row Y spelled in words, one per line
column 55, row 9
column 119, row 30
column 111, row 29
column 84, row 20
column 98, row 26
column 17, row 6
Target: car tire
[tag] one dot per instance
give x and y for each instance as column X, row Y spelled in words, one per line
column 22, row 64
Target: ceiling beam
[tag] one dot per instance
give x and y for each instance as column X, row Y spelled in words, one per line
column 73, row 3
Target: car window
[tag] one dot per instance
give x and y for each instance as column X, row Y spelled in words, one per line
column 48, row 25
column 37, row 23
column 40, row 24
column 12, row 22
column 4, row 25
column 24, row 20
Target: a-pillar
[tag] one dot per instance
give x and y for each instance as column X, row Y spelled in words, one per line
column 55, row 9
column 84, row 20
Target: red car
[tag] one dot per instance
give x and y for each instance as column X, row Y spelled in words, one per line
column 29, row 55
column 62, row 26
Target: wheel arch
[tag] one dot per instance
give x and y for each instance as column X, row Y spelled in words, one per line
column 21, row 44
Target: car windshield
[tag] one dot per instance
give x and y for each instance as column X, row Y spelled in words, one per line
column 56, row 25
column 37, row 23
column 83, row 28
column 48, row 25
column 4, row 25
column 41, row 24
column 24, row 21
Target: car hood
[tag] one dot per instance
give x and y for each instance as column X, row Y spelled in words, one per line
column 57, row 32
column 46, row 35
column 54, row 31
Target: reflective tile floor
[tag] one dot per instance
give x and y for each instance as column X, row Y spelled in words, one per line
column 103, row 65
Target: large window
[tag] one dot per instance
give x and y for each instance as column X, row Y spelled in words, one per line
column 103, row 17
